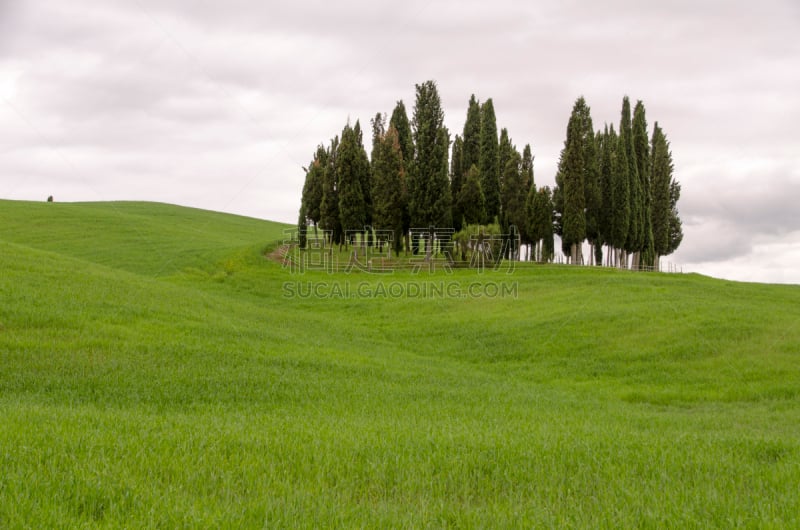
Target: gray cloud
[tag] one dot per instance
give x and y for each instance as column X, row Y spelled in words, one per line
column 218, row 105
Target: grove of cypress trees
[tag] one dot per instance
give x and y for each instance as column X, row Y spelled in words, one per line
column 614, row 189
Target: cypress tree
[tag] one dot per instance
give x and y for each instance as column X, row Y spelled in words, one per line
column 399, row 121
column 575, row 168
column 591, row 182
column 540, row 223
column 642, row 151
column 489, row 160
column 620, row 226
column 472, row 136
column 312, row 189
column 329, row 208
column 429, row 187
column 635, row 238
column 558, row 199
column 442, row 207
column 457, row 179
column 574, row 219
column 527, row 184
column 388, row 186
column 530, row 231
column 661, row 178
column 675, row 225
column 548, row 242
column 607, row 212
column 352, row 206
column 513, row 198
column 471, row 201
column 365, row 176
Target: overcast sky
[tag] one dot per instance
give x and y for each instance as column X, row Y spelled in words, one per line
column 218, row 105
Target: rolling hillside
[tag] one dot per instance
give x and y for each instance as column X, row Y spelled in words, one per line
column 157, row 371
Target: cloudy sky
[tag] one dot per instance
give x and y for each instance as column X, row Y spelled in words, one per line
column 218, row 105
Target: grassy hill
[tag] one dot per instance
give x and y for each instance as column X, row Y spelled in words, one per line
column 157, row 371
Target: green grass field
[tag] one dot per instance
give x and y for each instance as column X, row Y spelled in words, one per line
column 157, row 371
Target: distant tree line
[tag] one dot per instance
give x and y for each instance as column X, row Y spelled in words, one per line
column 612, row 189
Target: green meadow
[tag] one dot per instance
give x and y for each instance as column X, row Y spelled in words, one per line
column 157, row 370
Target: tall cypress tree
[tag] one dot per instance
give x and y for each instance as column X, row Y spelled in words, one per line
column 606, row 218
column 388, row 186
column 574, row 214
column 675, row 225
column 591, row 182
column 312, row 189
column 577, row 166
column 442, row 206
column 330, row 220
column 429, row 187
column 352, row 205
column 527, row 184
column 641, row 147
column 635, row 238
column 489, row 161
column 548, row 243
column 472, row 136
column 364, row 174
column 399, row 121
column 457, row 179
column 661, row 177
column 540, row 223
column 620, row 226
column 530, row 232
column 513, row 197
